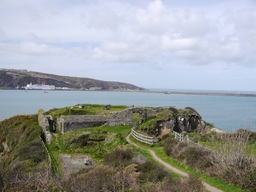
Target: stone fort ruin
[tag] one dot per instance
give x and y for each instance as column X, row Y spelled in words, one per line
column 189, row 122
column 75, row 122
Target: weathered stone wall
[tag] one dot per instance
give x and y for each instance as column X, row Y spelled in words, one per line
column 125, row 117
column 120, row 118
column 44, row 123
column 74, row 122
column 150, row 112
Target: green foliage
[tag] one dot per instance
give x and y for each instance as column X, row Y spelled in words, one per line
column 21, row 133
column 94, row 141
column 28, row 154
column 168, row 145
column 185, row 113
column 135, row 117
column 33, row 151
column 152, row 172
column 87, row 109
column 118, row 157
column 150, row 123
column 230, row 163
column 24, row 126
column 197, row 157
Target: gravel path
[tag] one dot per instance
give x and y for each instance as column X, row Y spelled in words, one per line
column 73, row 163
column 171, row 168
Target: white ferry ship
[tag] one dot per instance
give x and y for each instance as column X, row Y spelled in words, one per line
column 39, row 87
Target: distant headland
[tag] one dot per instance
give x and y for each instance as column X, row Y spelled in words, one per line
column 23, row 79
column 208, row 93
column 20, row 78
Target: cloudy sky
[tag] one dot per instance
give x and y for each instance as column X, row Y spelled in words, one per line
column 166, row 44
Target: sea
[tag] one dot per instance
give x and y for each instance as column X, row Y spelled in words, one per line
column 228, row 113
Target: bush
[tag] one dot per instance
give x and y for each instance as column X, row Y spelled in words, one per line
column 193, row 183
column 118, row 156
column 197, row 157
column 168, row 144
column 178, row 149
column 33, row 151
column 98, row 179
column 151, row 172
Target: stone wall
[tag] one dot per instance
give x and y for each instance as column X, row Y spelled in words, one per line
column 74, row 122
column 44, row 124
column 120, row 118
column 125, row 117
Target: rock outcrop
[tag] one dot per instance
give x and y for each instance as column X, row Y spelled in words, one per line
column 187, row 120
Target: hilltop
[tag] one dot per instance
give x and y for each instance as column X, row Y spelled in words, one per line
column 11, row 79
column 103, row 158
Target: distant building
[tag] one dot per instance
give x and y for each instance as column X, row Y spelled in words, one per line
column 95, row 88
column 62, row 88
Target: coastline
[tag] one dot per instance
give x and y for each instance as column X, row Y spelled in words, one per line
column 159, row 91
column 207, row 93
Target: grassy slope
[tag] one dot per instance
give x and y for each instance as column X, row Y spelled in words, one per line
column 119, row 133
column 23, row 148
column 88, row 109
column 210, row 180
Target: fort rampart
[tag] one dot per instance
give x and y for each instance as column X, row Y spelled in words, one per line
column 75, row 122
column 44, row 123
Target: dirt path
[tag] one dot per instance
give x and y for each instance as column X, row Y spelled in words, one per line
column 171, row 168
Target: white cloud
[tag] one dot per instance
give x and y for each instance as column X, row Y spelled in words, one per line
column 2, row 34
column 149, row 33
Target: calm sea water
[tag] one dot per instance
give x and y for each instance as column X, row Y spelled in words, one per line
column 225, row 112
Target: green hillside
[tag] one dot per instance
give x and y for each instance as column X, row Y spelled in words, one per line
column 11, row 79
column 28, row 163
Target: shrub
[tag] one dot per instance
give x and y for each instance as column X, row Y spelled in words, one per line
column 197, row 157
column 193, row 183
column 151, row 172
column 168, row 144
column 178, row 149
column 118, row 156
column 33, row 151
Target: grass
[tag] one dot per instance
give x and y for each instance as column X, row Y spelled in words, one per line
column 22, row 136
column 210, row 180
column 87, row 109
column 27, row 127
column 114, row 137
column 144, row 151
column 211, row 141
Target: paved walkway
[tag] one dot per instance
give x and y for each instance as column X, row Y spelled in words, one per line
column 171, row 168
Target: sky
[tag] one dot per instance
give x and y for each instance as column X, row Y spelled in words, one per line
column 164, row 44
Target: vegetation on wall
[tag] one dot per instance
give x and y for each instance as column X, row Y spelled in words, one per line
column 84, row 109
